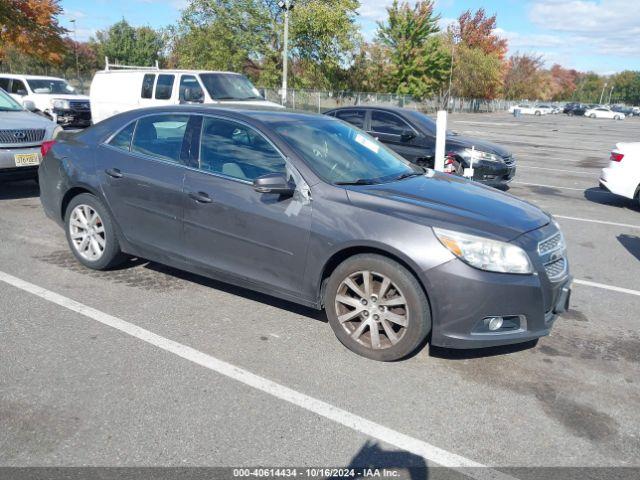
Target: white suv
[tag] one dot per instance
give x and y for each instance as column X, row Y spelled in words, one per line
column 622, row 176
column 51, row 95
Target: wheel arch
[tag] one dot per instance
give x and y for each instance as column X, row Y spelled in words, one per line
column 73, row 192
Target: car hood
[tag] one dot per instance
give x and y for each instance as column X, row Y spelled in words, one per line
column 455, row 142
column 23, row 119
column 62, row 96
column 446, row 201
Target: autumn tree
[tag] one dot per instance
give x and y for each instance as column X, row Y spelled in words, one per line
column 476, row 30
column 371, row 68
column 524, row 77
column 562, row 82
column 31, row 27
column 419, row 66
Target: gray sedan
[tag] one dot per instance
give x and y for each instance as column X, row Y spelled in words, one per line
column 307, row 208
column 22, row 135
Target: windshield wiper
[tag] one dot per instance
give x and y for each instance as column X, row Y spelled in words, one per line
column 358, row 181
column 409, row 174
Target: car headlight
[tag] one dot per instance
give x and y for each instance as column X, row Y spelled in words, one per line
column 479, row 155
column 484, row 253
column 60, row 104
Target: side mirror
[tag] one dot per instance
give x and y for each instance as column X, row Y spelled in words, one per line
column 22, row 93
column 192, row 95
column 273, row 183
column 407, row 135
column 29, row 105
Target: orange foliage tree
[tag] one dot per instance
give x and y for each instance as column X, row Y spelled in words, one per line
column 477, row 31
column 31, row 27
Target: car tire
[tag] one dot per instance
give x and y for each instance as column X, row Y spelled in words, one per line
column 88, row 220
column 400, row 314
column 593, row 115
column 538, row 113
column 616, row 117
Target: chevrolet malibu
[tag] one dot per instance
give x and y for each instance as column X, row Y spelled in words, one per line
column 309, row 209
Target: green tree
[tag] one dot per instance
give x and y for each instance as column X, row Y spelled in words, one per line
column 420, row 67
column 589, row 88
column 476, row 74
column 626, row 87
column 129, row 45
column 246, row 36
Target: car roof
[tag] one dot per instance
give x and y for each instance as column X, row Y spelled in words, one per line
column 153, row 70
column 30, row 77
column 398, row 110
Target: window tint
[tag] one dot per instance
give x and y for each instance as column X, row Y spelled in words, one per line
column 4, row 84
column 123, row 139
column 147, row 85
column 382, row 122
column 354, row 117
column 237, row 151
column 17, row 86
column 190, row 90
column 160, row 136
column 164, row 87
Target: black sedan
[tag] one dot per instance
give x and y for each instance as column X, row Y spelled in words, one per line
column 412, row 134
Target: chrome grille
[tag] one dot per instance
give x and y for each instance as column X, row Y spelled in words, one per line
column 79, row 105
column 21, row 135
column 551, row 244
column 556, row 268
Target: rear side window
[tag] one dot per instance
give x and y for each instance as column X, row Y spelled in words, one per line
column 382, row 122
column 354, row 117
column 123, row 139
column 164, row 87
column 4, row 84
column 147, row 85
column 160, row 136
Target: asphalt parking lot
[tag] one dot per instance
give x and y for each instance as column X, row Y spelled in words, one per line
column 90, row 387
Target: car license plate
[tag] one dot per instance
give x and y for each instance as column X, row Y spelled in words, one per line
column 26, row 159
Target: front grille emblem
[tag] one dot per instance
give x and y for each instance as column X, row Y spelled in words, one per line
column 20, row 135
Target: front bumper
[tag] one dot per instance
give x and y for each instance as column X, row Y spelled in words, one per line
column 463, row 298
column 72, row 118
column 8, row 168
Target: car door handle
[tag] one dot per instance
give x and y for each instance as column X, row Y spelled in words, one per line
column 114, row 172
column 200, row 197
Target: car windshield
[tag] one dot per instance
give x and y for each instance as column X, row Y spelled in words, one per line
column 44, row 85
column 8, row 104
column 229, row 86
column 341, row 154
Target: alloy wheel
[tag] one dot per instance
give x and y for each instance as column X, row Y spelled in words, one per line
column 372, row 309
column 87, row 232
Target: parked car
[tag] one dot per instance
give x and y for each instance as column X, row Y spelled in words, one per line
column 603, row 112
column 628, row 111
column 22, row 136
column 576, row 109
column 115, row 91
column 622, row 176
column 636, row 111
column 546, row 109
column 412, row 134
column 526, row 109
column 310, row 209
column 52, row 96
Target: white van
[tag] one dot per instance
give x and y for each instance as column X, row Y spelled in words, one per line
column 126, row 88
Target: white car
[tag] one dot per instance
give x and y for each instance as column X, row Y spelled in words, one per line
column 603, row 112
column 622, row 176
column 526, row 109
column 120, row 89
column 52, row 96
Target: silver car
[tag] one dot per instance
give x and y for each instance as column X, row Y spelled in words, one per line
column 22, row 136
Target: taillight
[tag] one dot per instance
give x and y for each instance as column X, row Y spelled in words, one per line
column 46, row 146
column 616, row 157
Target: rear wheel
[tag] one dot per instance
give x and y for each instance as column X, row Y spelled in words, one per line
column 538, row 113
column 593, row 115
column 616, row 117
column 377, row 308
column 91, row 233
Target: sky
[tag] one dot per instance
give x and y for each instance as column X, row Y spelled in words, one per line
column 589, row 35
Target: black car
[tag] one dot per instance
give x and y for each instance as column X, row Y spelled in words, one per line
column 576, row 109
column 412, row 134
column 628, row 111
column 310, row 209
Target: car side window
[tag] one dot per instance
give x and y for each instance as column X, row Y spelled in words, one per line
column 160, row 136
column 123, row 139
column 147, row 85
column 354, row 117
column 17, row 87
column 164, row 87
column 383, row 122
column 4, row 84
column 236, row 150
column 190, row 90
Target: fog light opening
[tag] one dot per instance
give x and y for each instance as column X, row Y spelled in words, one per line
column 494, row 323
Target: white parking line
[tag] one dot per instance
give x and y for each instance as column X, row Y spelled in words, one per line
column 607, row 287
column 615, row 224
column 551, row 186
column 355, row 422
column 575, row 172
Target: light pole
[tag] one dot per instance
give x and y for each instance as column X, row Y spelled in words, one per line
column 602, row 94
column 610, row 92
column 75, row 47
column 287, row 6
